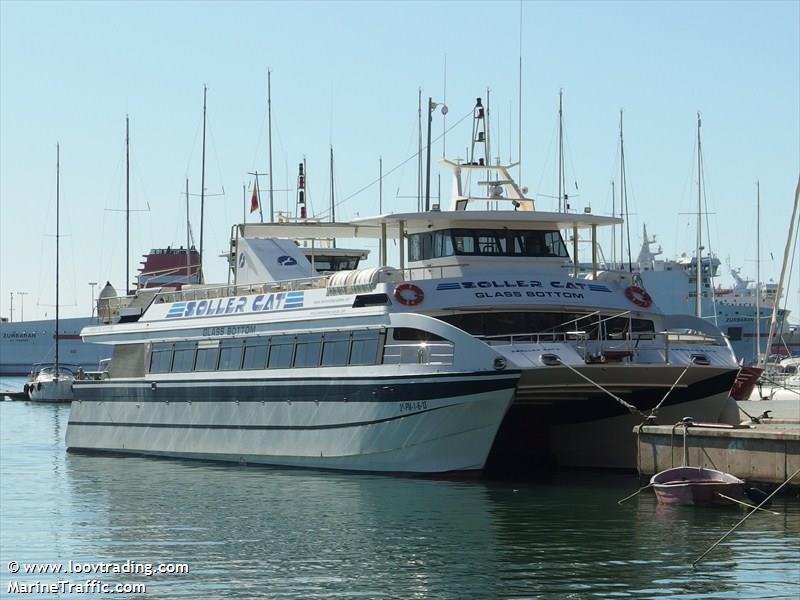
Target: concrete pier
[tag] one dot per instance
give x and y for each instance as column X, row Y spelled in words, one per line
column 767, row 452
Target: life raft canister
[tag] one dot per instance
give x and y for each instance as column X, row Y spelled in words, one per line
column 408, row 294
column 638, row 296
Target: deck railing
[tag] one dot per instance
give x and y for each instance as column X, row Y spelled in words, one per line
column 600, row 350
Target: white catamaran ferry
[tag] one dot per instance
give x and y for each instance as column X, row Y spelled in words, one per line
column 482, row 347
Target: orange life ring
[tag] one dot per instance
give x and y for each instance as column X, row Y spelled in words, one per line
column 414, row 294
column 638, row 296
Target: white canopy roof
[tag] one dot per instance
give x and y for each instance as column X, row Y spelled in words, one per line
column 370, row 227
column 308, row 230
column 487, row 219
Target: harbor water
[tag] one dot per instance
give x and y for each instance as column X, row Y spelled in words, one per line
column 248, row 532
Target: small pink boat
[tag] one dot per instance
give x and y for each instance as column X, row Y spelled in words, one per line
column 697, row 486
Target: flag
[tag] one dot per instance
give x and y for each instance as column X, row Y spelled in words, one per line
column 254, row 199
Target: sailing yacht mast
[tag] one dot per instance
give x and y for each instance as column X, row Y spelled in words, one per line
column 269, row 125
column 127, row 204
column 699, row 254
column 774, row 318
column 203, row 183
column 58, row 184
column 758, row 271
column 333, row 201
column 561, row 177
column 188, row 234
column 623, row 200
column 614, row 227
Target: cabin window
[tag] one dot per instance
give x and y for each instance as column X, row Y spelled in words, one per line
column 464, row 243
column 427, row 245
column 309, row 346
column 555, row 245
column 407, row 334
column 364, row 349
column 183, row 362
column 486, row 242
column 161, row 358
column 335, row 263
column 255, row 353
column 207, row 356
column 281, row 352
column 618, row 327
column 323, row 264
column 415, row 247
column 230, row 355
column 442, row 244
column 363, row 300
column 335, row 349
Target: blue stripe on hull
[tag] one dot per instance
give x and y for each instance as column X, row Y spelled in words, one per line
column 329, row 390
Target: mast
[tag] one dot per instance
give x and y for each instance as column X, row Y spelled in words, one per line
column 188, row 233
column 301, row 190
column 333, row 203
column 428, row 163
column 127, row 205
column 758, row 272
column 623, row 198
column 699, row 255
column 269, row 124
column 519, row 133
column 203, row 183
column 560, row 152
column 488, row 122
column 419, row 150
column 58, row 184
column 613, row 227
column 444, row 117
column 773, row 320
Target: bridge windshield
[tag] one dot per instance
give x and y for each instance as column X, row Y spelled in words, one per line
column 486, row 242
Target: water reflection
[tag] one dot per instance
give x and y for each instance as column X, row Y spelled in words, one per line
column 253, row 531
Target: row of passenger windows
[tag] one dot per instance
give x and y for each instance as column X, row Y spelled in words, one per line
column 514, row 323
column 486, row 242
column 265, row 352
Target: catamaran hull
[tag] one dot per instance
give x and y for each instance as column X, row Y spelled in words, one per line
column 409, row 425
column 611, row 443
column 558, row 418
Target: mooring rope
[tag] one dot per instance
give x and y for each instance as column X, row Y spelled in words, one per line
column 627, row 405
column 747, row 516
column 669, row 391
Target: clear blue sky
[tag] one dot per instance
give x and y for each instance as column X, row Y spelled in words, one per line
column 348, row 74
